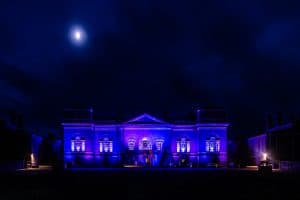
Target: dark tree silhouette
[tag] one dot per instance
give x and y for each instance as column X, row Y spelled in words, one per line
column 47, row 155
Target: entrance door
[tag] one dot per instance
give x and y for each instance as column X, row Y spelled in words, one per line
column 146, row 158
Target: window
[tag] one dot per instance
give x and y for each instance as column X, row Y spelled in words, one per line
column 106, row 145
column 183, row 145
column 131, row 144
column 159, row 143
column 212, row 145
column 188, row 146
column 177, row 146
column 78, row 144
column 145, row 144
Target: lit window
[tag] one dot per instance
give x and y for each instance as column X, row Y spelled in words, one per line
column 145, row 144
column 159, row 143
column 72, row 145
column 207, row 145
column 188, row 146
column 177, row 146
column 110, row 146
column 218, row 145
column 131, row 144
column 83, row 146
column 212, row 145
column 106, row 145
column 183, row 146
column 101, row 146
column 78, row 144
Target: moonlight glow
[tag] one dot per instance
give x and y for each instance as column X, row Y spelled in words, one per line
column 78, row 35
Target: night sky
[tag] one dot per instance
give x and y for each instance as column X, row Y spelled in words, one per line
column 150, row 56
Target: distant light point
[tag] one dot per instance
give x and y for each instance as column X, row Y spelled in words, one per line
column 77, row 35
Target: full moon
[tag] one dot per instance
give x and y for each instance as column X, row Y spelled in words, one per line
column 78, row 35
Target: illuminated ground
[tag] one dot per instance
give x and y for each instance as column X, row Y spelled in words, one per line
column 149, row 184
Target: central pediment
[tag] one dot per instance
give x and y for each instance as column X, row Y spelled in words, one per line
column 145, row 119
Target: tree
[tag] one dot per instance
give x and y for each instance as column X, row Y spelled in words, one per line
column 47, row 155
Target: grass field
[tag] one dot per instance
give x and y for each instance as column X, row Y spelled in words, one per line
column 149, row 184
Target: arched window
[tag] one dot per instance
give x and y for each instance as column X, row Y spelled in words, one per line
column 78, row 144
column 145, row 144
column 183, row 145
column 131, row 144
column 212, row 144
column 105, row 145
column 159, row 144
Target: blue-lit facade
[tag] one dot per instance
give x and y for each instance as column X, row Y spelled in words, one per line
column 144, row 141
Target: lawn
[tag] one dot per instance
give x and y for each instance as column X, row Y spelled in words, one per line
column 149, row 184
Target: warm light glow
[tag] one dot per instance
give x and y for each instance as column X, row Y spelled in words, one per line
column 32, row 158
column 265, row 155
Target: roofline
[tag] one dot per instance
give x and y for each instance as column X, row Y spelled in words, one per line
column 76, row 124
column 213, row 124
column 145, row 114
column 280, row 127
column 169, row 125
column 257, row 136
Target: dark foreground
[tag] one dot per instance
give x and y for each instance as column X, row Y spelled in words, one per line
column 149, row 184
